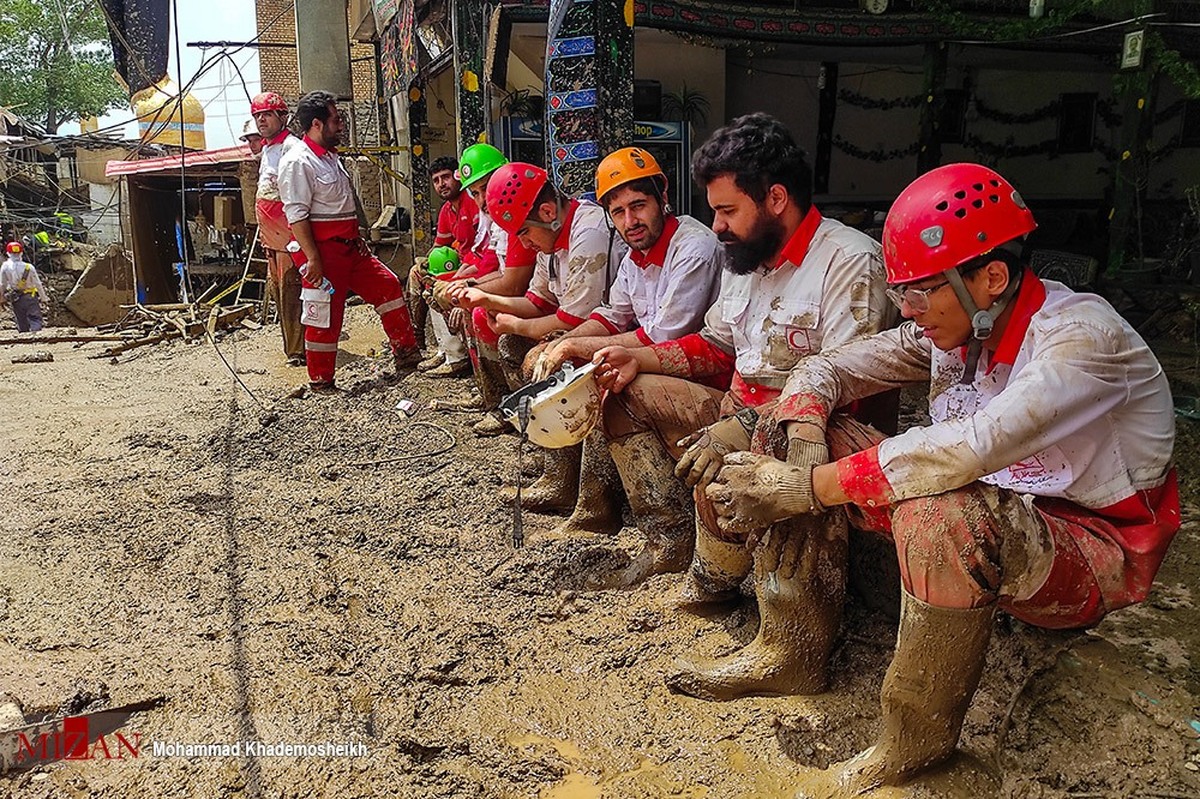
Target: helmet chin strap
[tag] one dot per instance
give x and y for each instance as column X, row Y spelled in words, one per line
column 559, row 212
column 983, row 322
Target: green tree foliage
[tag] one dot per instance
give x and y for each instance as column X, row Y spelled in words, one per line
column 57, row 61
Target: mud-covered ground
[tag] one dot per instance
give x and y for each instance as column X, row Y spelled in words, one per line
column 345, row 574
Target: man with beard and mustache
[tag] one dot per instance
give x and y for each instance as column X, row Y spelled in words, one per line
column 664, row 284
column 796, row 284
column 457, row 223
column 322, row 209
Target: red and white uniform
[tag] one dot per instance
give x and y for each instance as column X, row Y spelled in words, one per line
column 273, row 229
column 1071, row 410
column 571, row 282
column 827, row 289
column 663, row 293
column 313, row 185
column 456, row 223
column 509, row 252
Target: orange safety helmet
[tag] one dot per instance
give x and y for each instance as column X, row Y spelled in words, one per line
column 14, row 248
column 949, row 216
column 511, row 192
column 267, row 101
column 625, row 166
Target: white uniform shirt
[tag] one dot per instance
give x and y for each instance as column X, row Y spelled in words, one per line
column 770, row 320
column 573, row 279
column 313, row 185
column 668, row 293
column 1075, row 406
column 11, row 274
column 268, row 165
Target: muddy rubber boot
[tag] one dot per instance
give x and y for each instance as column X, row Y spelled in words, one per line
column 717, row 571
column 928, row 688
column 598, row 508
column 662, row 506
column 418, row 313
column 555, row 490
column 800, row 582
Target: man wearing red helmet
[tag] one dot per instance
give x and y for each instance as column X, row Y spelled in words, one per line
column 21, row 287
column 795, row 284
column 322, row 209
column 1043, row 487
column 578, row 259
column 270, row 114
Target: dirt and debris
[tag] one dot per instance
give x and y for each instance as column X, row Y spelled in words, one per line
column 339, row 575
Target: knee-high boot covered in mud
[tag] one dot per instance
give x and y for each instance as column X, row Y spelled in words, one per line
column 556, row 489
column 598, row 508
column 493, row 387
column 800, row 583
column 662, row 507
column 928, row 688
column 718, row 566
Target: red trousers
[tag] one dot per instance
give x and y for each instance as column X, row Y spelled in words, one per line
column 349, row 269
column 1046, row 561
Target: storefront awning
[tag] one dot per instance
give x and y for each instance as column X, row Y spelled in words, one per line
column 173, row 163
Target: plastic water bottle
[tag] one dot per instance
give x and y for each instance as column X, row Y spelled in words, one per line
column 293, row 246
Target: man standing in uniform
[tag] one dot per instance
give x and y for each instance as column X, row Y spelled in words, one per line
column 457, row 222
column 579, row 256
column 1043, row 486
column 321, row 207
column 270, row 114
column 664, row 284
column 797, row 284
column 21, row 287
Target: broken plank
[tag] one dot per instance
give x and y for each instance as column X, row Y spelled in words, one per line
column 140, row 342
column 60, row 339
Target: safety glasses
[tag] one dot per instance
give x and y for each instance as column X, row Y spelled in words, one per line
column 916, row 299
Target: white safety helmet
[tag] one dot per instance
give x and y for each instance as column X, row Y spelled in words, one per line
column 563, row 408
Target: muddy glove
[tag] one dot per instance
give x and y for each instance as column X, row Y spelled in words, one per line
column 701, row 461
column 752, row 492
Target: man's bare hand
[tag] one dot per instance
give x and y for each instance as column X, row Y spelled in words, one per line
column 616, row 367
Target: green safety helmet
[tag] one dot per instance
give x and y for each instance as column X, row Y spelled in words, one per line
column 478, row 161
column 443, row 260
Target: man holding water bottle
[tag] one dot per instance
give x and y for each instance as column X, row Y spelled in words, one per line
column 320, row 205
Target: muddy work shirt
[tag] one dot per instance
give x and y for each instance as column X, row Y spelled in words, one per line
column 827, row 289
column 1072, row 404
column 664, row 292
column 572, row 280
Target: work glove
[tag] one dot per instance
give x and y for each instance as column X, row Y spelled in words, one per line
column 751, row 492
column 707, row 447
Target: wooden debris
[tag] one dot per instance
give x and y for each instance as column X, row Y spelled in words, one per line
column 150, row 324
column 59, row 339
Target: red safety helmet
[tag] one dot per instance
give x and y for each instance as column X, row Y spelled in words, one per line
column 511, row 192
column 15, row 248
column 267, row 101
column 949, row 216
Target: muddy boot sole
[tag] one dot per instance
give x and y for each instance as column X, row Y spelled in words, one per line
column 749, row 672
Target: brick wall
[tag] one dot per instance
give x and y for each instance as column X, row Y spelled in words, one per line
column 277, row 66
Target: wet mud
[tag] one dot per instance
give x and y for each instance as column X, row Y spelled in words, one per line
column 328, row 578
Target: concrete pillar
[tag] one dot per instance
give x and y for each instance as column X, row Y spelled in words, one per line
column 589, row 88
column 323, row 48
column 469, row 22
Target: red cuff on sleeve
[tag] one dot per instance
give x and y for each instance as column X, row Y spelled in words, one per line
column 609, row 326
column 642, row 337
column 862, row 479
column 692, row 356
column 802, row 407
column 573, row 321
column 542, row 304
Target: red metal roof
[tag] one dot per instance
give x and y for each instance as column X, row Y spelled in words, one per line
column 226, row 155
